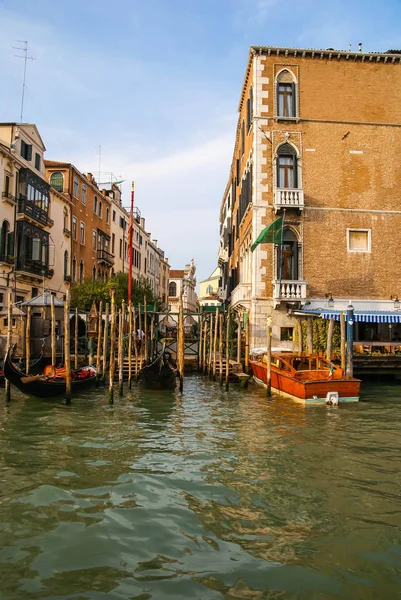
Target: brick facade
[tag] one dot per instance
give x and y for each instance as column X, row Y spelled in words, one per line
column 339, row 129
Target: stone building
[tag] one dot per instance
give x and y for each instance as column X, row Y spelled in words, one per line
column 31, row 231
column 183, row 280
column 209, row 290
column 317, row 142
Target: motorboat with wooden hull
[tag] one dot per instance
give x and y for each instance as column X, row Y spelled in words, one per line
column 160, row 374
column 307, row 379
column 43, row 386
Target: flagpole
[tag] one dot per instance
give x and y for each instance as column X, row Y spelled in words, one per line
column 281, row 252
column 130, row 237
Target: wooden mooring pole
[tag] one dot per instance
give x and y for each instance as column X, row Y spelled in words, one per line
column 28, row 340
column 135, row 343
column 269, row 322
column 200, row 343
column 76, row 340
column 342, row 332
column 221, row 338
column 216, row 329
column 121, row 318
column 330, row 330
column 129, row 344
column 99, row 342
column 67, row 357
column 53, row 330
column 181, row 344
column 145, row 324
column 239, row 354
column 9, row 341
column 112, row 344
column 227, row 348
column 205, row 330
column 105, row 340
column 210, row 356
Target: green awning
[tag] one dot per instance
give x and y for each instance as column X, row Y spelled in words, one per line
column 270, row 235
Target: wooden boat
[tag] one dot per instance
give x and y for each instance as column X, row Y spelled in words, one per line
column 43, row 386
column 33, row 363
column 160, row 374
column 305, row 378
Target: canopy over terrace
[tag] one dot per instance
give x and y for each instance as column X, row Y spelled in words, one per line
column 360, row 316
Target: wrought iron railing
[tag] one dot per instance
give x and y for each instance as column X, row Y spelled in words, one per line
column 29, row 208
column 106, row 257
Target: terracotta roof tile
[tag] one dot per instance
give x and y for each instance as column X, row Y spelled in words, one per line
column 176, row 274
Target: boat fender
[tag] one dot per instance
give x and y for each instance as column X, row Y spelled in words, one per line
column 332, row 398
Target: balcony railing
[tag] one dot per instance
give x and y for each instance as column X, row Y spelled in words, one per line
column 289, row 291
column 67, row 278
column 34, row 267
column 241, row 294
column 67, row 232
column 288, row 198
column 8, row 197
column 30, row 209
column 105, row 257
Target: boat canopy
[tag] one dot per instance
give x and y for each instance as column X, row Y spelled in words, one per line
column 361, row 316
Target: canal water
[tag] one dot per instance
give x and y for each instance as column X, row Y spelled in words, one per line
column 210, row 495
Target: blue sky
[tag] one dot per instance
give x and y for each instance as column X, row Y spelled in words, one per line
column 156, row 83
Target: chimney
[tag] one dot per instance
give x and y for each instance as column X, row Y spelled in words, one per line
column 142, row 222
column 90, row 177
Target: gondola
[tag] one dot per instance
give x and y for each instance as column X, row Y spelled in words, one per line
column 43, row 386
column 160, row 374
column 33, row 363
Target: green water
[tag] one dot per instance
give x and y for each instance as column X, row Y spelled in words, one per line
column 210, row 495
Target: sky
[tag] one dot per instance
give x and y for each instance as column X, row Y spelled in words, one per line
column 155, row 85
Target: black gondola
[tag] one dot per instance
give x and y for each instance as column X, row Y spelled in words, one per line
column 42, row 387
column 33, row 364
column 160, row 374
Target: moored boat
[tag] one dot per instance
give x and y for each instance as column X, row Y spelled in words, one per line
column 45, row 386
column 160, row 374
column 307, row 379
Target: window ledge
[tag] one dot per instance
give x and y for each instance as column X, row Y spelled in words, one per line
column 291, row 119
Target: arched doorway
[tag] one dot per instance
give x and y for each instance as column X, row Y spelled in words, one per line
column 288, row 265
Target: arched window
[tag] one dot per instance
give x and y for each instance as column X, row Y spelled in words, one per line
column 286, row 95
column 57, row 181
column 209, row 290
column 65, row 264
column 100, row 209
column 94, row 272
column 172, row 289
column 289, row 270
column 74, row 269
column 66, row 220
column 95, row 204
column 81, row 272
column 4, row 240
column 287, row 167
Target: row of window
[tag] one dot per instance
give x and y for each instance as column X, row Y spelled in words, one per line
column 57, row 181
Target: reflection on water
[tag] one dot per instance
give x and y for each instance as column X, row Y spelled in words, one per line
column 209, row 495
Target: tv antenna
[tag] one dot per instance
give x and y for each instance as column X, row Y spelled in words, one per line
column 25, row 57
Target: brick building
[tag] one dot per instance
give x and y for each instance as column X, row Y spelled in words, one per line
column 317, row 140
column 89, row 226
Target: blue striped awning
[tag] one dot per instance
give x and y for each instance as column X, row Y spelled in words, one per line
column 361, row 316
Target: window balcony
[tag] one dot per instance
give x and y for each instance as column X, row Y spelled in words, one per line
column 29, row 209
column 33, row 268
column 105, row 257
column 67, row 232
column 7, row 197
column 67, row 278
column 289, row 291
column 288, row 198
column 222, row 255
column 241, row 295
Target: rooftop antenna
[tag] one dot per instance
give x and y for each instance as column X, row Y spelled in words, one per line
column 100, row 160
column 25, row 57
